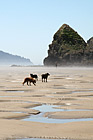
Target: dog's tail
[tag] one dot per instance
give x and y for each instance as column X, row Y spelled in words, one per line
column 23, row 83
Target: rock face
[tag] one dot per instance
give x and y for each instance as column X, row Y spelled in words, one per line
column 90, row 43
column 9, row 59
column 69, row 48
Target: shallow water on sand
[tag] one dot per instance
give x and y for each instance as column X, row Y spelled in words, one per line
column 40, row 139
column 42, row 119
column 53, row 108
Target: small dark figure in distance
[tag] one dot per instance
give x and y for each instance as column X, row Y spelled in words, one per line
column 34, row 76
column 29, row 80
column 45, row 76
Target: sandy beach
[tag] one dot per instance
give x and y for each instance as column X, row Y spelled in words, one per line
column 68, row 88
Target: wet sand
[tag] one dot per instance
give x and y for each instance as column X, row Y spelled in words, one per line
column 70, row 88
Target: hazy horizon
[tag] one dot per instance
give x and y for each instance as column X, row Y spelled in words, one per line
column 27, row 27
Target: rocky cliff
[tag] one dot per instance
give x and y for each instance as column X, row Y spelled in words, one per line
column 9, row 59
column 69, row 48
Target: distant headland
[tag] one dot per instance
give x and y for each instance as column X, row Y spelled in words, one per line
column 9, row 59
column 69, row 48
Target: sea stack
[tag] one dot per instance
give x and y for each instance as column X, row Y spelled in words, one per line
column 69, row 48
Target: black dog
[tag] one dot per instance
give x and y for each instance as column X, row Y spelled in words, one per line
column 34, row 76
column 45, row 76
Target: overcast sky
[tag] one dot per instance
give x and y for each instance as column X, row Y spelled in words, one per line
column 27, row 26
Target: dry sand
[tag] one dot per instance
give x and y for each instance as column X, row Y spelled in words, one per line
column 71, row 88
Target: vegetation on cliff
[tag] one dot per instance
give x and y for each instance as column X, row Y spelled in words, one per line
column 67, row 48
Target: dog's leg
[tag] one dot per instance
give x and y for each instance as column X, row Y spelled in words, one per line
column 27, row 82
column 34, row 84
column 46, row 79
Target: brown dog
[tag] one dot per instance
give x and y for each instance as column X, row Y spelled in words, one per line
column 29, row 80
